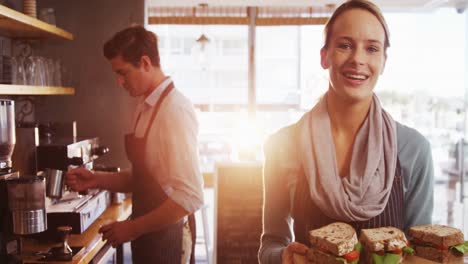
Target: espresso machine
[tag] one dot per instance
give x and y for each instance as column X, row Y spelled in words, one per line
column 7, row 144
column 22, row 199
column 35, row 202
column 56, row 155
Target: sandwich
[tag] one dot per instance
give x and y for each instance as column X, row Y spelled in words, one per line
column 384, row 245
column 335, row 243
column 438, row 243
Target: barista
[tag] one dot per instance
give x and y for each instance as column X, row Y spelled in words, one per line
column 165, row 178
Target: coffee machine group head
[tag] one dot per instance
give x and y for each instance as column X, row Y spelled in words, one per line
column 57, row 155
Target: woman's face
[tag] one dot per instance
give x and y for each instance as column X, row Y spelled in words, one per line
column 355, row 56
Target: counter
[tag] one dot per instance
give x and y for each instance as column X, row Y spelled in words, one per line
column 90, row 239
column 298, row 259
column 418, row 260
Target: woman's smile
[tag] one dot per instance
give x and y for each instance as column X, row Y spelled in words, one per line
column 355, row 79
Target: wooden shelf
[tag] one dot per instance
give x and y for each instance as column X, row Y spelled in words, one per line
column 15, row 24
column 8, row 89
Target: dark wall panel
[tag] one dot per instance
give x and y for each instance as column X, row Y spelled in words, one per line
column 100, row 107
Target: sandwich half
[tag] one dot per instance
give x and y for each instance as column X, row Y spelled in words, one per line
column 335, row 243
column 384, row 245
column 438, row 243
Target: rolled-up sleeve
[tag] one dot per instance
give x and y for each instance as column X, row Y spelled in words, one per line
column 178, row 155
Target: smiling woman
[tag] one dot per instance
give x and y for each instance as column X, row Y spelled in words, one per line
column 346, row 159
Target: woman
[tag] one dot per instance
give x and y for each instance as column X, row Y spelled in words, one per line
column 346, row 159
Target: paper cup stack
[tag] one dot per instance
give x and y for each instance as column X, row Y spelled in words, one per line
column 29, row 8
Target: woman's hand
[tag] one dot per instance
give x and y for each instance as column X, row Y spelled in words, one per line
column 294, row 248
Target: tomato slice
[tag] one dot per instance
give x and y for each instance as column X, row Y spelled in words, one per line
column 396, row 251
column 323, row 249
column 352, row 256
column 380, row 253
column 440, row 247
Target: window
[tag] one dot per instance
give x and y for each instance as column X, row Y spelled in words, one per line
column 218, row 75
column 277, row 65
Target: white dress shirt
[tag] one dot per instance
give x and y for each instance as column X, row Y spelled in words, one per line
column 171, row 151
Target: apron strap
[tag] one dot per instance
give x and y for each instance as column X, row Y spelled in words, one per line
column 193, row 231
column 156, row 109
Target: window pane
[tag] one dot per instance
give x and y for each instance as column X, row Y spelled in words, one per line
column 288, row 67
column 217, row 74
column 277, row 54
column 314, row 79
column 423, row 85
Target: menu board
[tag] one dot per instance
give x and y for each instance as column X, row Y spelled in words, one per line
column 239, row 200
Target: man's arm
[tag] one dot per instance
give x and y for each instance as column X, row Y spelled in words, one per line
column 80, row 179
column 159, row 218
column 178, row 158
column 168, row 213
column 114, row 181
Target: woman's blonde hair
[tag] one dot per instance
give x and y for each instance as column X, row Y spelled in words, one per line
column 352, row 4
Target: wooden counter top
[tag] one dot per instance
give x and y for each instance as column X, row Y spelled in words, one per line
column 90, row 239
column 418, row 260
column 298, row 259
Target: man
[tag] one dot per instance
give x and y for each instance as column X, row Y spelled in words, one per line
column 165, row 178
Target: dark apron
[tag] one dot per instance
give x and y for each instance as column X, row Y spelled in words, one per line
column 163, row 246
column 308, row 216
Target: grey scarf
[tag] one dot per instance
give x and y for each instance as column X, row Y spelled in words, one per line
column 363, row 193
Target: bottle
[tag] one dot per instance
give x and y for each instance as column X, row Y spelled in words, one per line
column 47, row 15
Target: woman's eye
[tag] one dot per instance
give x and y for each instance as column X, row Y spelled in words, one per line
column 373, row 49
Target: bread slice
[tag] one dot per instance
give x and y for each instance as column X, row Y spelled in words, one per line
column 437, row 234
column 299, row 259
column 382, row 238
column 338, row 238
column 318, row 257
column 441, row 256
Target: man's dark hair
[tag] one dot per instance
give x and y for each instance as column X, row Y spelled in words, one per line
column 132, row 43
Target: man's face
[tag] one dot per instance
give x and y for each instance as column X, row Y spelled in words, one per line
column 129, row 77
